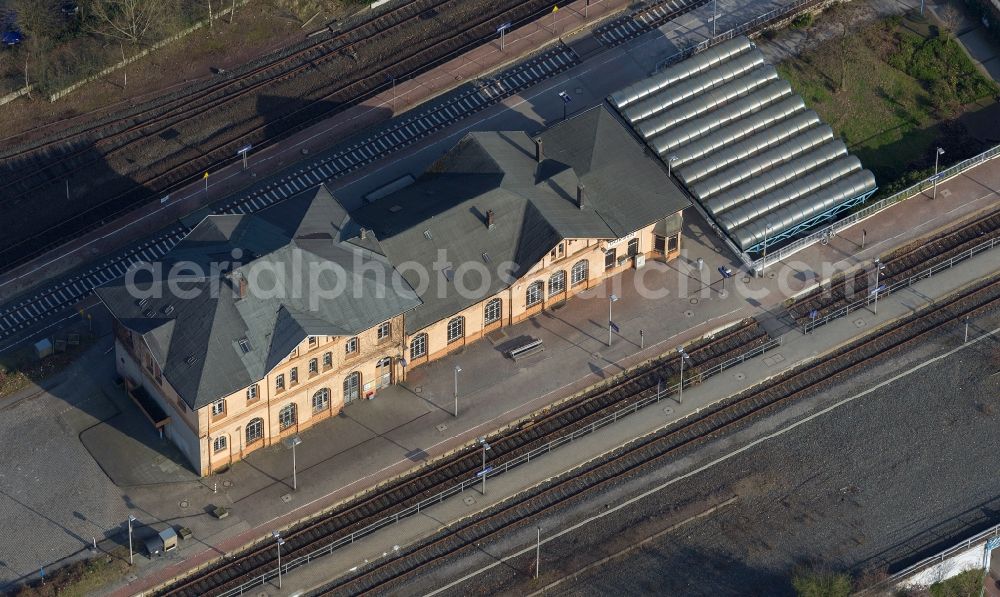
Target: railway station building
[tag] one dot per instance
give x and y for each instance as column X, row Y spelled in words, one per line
column 255, row 327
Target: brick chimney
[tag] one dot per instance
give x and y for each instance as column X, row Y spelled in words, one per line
column 490, row 218
column 363, row 235
column 243, row 286
column 580, row 196
column 539, row 155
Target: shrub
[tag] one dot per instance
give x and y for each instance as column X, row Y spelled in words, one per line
column 811, row 583
column 803, row 21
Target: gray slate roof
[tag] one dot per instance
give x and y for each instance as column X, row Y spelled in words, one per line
column 534, row 206
column 196, row 339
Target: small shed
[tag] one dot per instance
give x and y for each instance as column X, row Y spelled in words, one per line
column 43, row 348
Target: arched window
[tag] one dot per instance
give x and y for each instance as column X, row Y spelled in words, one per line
column 286, row 416
column 456, row 329
column 493, row 311
column 255, row 430
column 580, row 272
column 352, row 387
column 557, row 282
column 321, row 400
column 533, row 295
column 418, row 346
column 219, row 444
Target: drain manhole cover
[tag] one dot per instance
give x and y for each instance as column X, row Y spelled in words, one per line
column 469, row 500
column 418, row 389
column 596, row 355
column 286, row 498
column 689, row 313
column 693, row 301
column 741, row 376
column 771, row 275
column 442, row 427
column 184, row 504
column 668, row 411
column 859, row 323
column 131, row 578
column 227, row 483
column 746, row 279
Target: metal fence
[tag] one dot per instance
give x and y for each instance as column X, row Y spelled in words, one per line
column 651, row 396
column 753, row 25
column 898, row 577
column 879, row 292
column 922, row 186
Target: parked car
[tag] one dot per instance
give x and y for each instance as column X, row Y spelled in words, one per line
column 12, row 38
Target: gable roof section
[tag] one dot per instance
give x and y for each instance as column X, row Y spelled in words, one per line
column 196, row 340
column 440, row 219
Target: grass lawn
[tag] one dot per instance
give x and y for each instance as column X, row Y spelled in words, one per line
column 966, row 584
column 895, row 90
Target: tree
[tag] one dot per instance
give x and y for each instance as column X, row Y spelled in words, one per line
column 127, row 20
column 812, row 583
column 951, row 19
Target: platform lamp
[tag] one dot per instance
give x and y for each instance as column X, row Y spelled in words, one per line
column 611, row 323
column 937, row 154
column 131, row 519
column 291, row 442
column 486, row 446
column 879, row 268
column 680, row 388
column 280, row 542
column 458, row 369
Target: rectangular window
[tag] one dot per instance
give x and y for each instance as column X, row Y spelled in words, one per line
column 279, row 382
column 384, row 330
column 293, row 376
column 351, row 346
column 313, row 366
column 633, row 247
column 295, row 353
column 558, row 252
column 673, row 241
column 218, row 408
column 659, row 244
column 244, row 345
column 327, row 360
column 219, row 443
column 252, row 393
column 609, row 259
column 313, row 341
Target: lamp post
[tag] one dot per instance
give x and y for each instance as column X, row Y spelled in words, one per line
column 670, row 164
column 680, row 388
column 458, row 370
column 611, row 324
column 131, row 519
column 486, row 446
column 937, row 154
column 291, row 442
column 280, row 542
column 879, row 266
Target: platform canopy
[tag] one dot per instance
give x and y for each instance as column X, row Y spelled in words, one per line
column 763, row 167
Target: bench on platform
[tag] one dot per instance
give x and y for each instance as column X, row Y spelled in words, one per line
column 530, row 347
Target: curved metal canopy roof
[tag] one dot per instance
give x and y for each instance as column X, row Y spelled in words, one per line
column 761, row 165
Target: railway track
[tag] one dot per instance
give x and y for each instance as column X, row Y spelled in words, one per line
column 439, row 475
column 163, row 146
column 387, row 575
column 899, row 265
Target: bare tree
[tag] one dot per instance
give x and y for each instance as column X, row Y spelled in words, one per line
column 950, row 18
column 127, row 20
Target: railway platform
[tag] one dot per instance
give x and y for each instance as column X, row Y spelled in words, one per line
column 377, row 440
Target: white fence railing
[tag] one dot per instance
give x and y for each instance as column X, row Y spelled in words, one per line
column 874, row 208
column 934, row 560
column 652, row 396
column 880, row 291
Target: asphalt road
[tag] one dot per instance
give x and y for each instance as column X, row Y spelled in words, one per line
column 876, row 483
